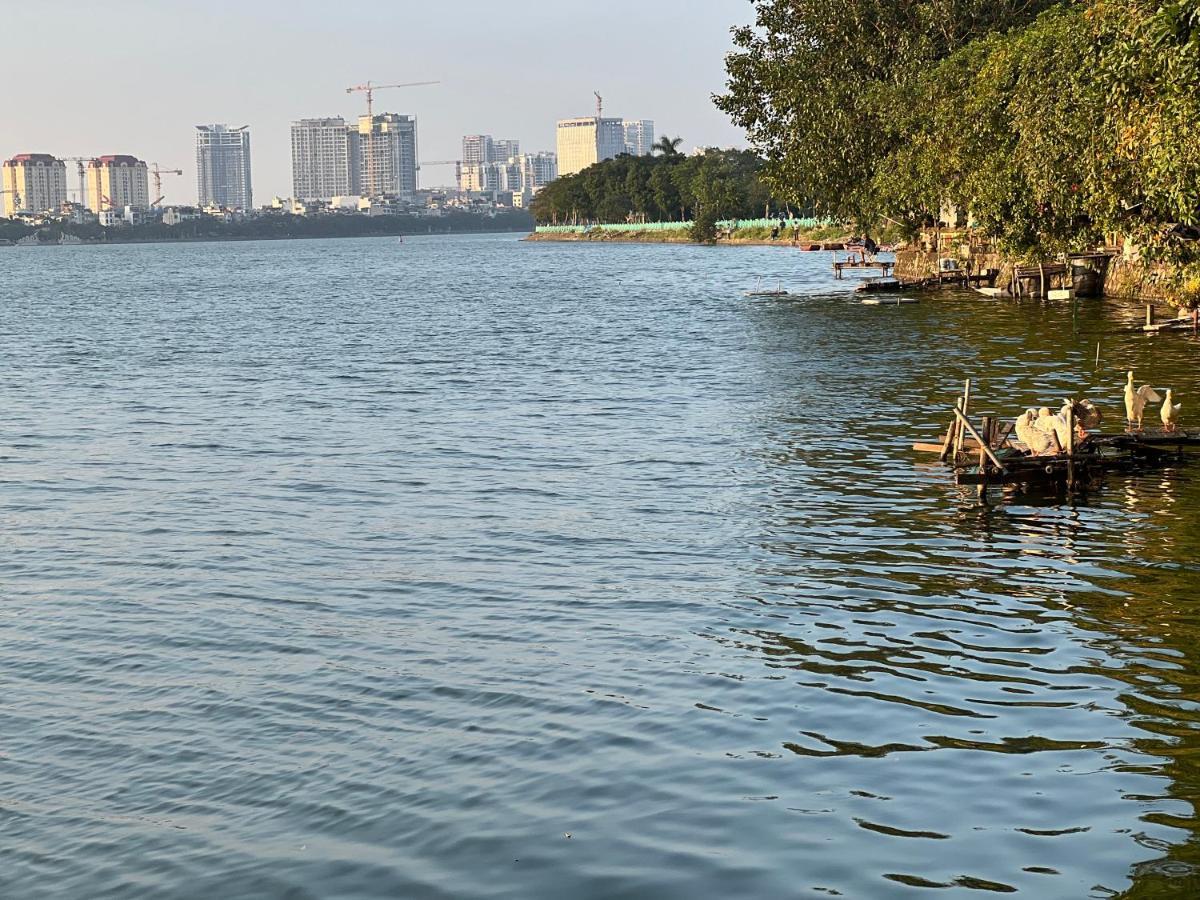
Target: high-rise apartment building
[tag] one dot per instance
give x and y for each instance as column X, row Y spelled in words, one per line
column 538, row 170
column 639, row 136
column 525, row 173
column 478, row 177
column 388, row 149
column 588, row 140
column 477, row 150
column 223, row 166
column 325, row 159
column 504, row 150
column 115, row 182
column 35, row 182
column 481, row 149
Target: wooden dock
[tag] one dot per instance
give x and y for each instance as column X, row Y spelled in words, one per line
column 839, row 266
column 988, row 456
column 952, row 278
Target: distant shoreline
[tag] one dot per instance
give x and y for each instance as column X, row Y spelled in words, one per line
column 241, row 239
column 745, row 238
column 267, row 226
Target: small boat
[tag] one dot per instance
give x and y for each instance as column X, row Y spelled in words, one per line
column 888, row 301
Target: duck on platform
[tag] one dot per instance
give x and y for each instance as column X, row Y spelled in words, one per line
column 1170, row 412
column 1086, row 415
column 1028, row 433
column 1054, row 427
column 1135, row 403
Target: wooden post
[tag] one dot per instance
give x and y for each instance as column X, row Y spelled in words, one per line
column 1149, row 314
column 984, row 450
column 1002, row 438
column 966, row 411
column 1070, row 447
column 951, row 434
column 966, row 423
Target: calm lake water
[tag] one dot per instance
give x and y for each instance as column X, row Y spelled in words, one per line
column 472, row 568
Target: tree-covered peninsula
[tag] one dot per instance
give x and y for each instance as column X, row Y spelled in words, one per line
column 703, row 188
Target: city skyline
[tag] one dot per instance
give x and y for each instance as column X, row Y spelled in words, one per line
column 261, row 85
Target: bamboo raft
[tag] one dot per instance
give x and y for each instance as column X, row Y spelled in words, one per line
column 988, row 455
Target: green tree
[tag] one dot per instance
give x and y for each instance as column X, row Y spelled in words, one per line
column 817, row 86
column 666, row 193
column 667, row 146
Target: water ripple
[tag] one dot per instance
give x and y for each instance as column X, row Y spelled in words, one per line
column 337, row 569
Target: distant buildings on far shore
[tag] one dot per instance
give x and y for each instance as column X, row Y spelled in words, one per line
column 368, row 166
column 116, row 182
column 498, row 166
column 375, row 158
column 639, row 136
column 33, row 181
column 223, row 167
column 324, row 159
column 587, row 140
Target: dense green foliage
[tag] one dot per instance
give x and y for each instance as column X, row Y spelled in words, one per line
column 668, row 187
column 278, row 226
column 1052, row 121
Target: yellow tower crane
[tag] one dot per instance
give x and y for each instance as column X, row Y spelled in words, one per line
column 369, row 89
column 158, row 174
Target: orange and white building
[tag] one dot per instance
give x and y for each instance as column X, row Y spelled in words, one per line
column 34, row 183
column 115, row 182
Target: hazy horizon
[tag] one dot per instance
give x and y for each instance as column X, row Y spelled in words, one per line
column 139, row 79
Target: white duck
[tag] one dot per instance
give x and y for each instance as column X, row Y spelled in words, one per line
column 1035, row 439
column 1053, row 427
column 1135, row 403
column 1170, row 412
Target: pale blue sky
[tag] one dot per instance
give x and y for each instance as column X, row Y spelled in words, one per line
column 134, row 76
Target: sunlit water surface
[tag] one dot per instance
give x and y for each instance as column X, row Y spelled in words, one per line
column 467, row 567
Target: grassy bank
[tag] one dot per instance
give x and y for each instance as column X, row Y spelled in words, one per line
column 759, row 236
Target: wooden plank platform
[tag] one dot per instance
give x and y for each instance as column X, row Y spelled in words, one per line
column 881, row 265
column 1098, row 454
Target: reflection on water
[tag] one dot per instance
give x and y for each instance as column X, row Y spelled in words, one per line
column 333, row 569
column 1050, row 641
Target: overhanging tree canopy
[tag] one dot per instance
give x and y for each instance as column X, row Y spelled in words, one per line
column 1051, row 121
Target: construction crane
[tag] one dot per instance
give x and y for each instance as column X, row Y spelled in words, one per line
column 369, row 89
column 79, row 163
column 16, row 198
column 599, row 105
column 457, row 163
column 158, row 174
